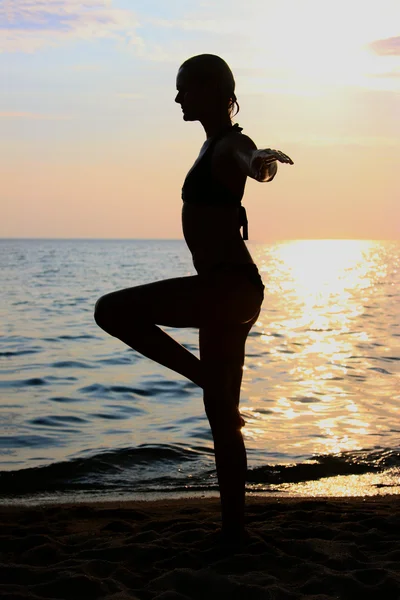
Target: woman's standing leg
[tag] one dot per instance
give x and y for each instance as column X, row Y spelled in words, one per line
column 222, row 354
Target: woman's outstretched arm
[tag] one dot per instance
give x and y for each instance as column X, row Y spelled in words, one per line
column 261, row 165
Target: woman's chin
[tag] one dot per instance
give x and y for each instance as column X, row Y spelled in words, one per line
column 188, row 117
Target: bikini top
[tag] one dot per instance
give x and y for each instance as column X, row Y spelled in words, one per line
column 201, row 187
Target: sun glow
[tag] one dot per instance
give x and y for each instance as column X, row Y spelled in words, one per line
column 319, row 44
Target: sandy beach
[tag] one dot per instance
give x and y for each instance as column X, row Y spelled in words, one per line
column 170, row 550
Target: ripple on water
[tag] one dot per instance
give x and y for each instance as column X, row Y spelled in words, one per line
column 65, row 399
column 17, row 383
column 20, row 352
column 57, row 420
column 129, row 359
column 124, row 389
column 83, row 336
column 129, row 410
column 155, row 389
column 30, row 441
column 62, row 338
column 257, row 410
column 104, row 391
column 110, row 416
column 95, row 388
column 71, row 364
column 189, row 420
column 307, row 399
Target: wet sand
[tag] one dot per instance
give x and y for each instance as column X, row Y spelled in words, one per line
column 345, row 548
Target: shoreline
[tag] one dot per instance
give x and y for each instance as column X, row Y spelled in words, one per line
column 154, row 500
column 72, row 498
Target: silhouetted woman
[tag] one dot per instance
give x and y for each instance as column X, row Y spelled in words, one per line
column 224, row 299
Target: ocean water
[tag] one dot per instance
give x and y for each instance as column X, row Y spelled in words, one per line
column 83, row 414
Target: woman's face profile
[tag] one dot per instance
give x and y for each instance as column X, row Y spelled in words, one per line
column 194, row 98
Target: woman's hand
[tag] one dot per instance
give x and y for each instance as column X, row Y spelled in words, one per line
column 263, row 163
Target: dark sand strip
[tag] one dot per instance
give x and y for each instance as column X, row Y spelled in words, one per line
column 347, row 549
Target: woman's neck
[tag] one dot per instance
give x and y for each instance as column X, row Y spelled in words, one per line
column 214, row 124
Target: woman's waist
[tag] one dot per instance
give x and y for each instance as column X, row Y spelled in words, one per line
column 211, row 213
column 212, row 224
column 208, row 252
column 203, row 227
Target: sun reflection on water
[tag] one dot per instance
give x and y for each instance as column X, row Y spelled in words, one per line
column 323, row 339
column 323, row 275
column 367, row 484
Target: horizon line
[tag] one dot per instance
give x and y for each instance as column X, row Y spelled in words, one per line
column 365, row 239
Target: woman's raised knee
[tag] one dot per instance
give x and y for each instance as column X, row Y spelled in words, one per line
column 101, row 311
column 114, row 312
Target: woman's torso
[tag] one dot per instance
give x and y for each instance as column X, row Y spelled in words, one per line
column 211, row 224
column 212, row 235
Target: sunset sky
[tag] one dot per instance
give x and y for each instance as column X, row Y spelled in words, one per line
column 93, row 145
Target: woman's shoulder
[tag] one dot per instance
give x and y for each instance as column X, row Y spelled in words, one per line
column 236, row 141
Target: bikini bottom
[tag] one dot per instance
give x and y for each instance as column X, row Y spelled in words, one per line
column 248, row 269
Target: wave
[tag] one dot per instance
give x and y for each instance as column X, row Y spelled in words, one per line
column 166, row 468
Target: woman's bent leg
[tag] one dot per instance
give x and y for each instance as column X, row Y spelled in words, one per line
column 132, row 315
column 156, row 344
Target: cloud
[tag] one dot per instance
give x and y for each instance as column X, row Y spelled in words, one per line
column 386, row 47
column 29, row 25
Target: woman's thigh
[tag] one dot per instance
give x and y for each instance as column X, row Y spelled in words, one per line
column 193, row 301
column 222, row 354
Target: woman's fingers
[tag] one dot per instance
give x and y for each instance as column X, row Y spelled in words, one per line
column 282, row 157
column 285, row 157
column 271, row 155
